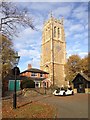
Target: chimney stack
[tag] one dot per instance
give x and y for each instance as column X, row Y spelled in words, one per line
column 29, row 66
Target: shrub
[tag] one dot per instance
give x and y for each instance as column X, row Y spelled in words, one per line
column 27, row 84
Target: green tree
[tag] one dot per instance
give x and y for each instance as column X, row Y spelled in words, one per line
column 7, row 56
column 72, row 67
column 84, row 65
column 75, row 64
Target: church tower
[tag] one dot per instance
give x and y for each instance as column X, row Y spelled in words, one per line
column 53, row 51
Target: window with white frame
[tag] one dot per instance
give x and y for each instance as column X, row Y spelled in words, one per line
column 33, row 74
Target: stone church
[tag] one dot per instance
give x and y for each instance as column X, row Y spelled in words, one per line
column 53, row 51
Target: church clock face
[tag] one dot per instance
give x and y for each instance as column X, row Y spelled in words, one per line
column 46, row 49
column 58, row 48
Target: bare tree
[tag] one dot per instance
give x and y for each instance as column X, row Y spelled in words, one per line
column 11, row 17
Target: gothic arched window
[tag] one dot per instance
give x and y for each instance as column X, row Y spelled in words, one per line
column 49, row 32
column 58, row 32
column 55, row 31
column 46, row 33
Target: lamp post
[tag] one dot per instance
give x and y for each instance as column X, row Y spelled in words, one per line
column 16, row 72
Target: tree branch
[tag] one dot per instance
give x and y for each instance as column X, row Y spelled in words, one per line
column 13, row 16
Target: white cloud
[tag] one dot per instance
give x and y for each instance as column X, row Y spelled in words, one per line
column 32, row 55
column 81, row 8
column 86, row 26
column 77, row 48
column 68, row 22
column 81, row 12
column 38, row 21
column 67, row 33
column 76, row 28
column 35, row 63
column 29, row 53
column 41, row 6
column 46, row 0
column 77, row 36
column 33, row 58
column 73, row 48
column 81, row 15
column 81, row 36
column 27, row 38
column 83, row 54
column 63, row 10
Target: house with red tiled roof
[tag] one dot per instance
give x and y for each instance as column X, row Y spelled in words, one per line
column 39, row 77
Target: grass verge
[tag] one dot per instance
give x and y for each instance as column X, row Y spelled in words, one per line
column 27, row 110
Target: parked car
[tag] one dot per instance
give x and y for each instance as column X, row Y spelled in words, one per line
column 63, row 92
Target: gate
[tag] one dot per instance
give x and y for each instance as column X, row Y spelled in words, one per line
column 11, row 85
column 81, row 88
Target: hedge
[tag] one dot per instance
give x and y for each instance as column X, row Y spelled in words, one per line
column 27, row 84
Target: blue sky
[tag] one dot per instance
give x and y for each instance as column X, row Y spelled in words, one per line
column 28, row 42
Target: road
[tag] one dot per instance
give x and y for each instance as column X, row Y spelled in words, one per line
column 75, row 106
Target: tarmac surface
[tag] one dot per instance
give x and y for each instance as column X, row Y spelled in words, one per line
column 75, row 106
